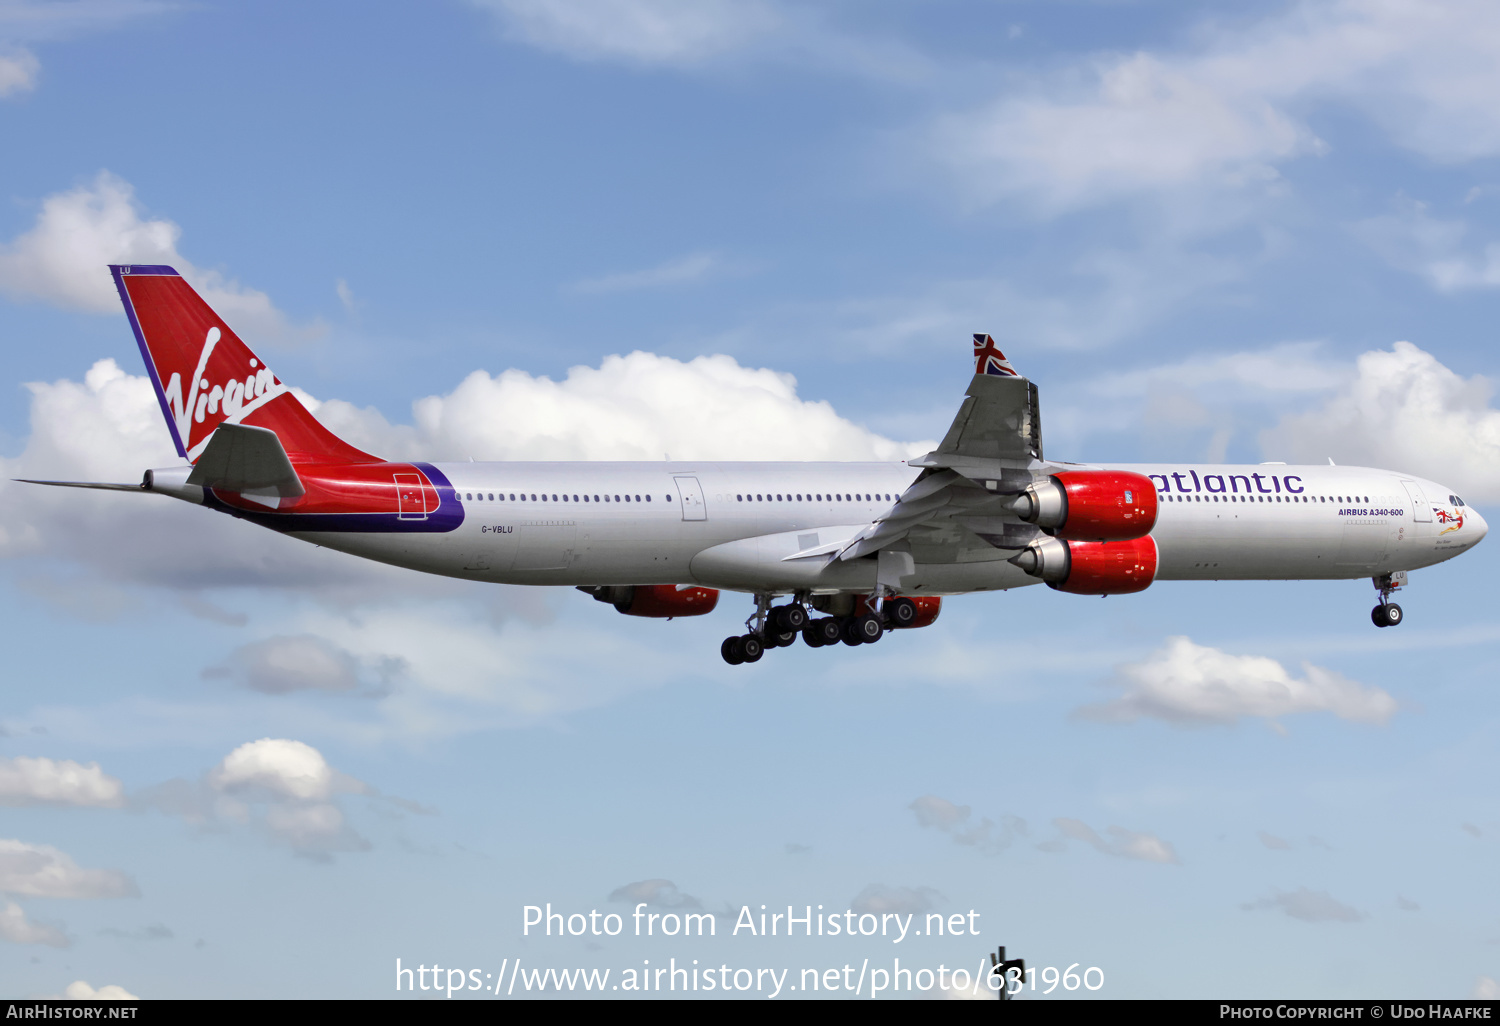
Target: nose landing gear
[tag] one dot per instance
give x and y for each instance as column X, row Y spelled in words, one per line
column 1387, row 613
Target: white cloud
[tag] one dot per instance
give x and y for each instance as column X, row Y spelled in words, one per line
column 79, row 990
column 660, row 893
column 43, row 19
column 41, row 871
column 1123, row 843
column 634, row 407
column 1185, row 683
column 673, row 272
column 681, row 33
column 986, row 835
column 62, row 259
column 282, row 664
column 286, row 787
column 1413, row 240
column 26, row 781
column 448, row 655
column 18, row 72
column 705, row 35
column 878, row 899
column 1226, row 111
column 285, row 768
column 1135, row 123
column 1486, row 988
column 1308, row 905
column 16, row 928
column 1286, row 367
column 313, row 829
column 1406, row 411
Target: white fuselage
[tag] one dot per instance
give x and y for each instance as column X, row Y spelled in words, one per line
column 732, row 525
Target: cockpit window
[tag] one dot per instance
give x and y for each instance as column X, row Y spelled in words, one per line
column 1454, row 500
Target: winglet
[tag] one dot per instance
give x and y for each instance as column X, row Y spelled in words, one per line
column 988, row 359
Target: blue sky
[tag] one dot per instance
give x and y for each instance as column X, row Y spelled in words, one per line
column 515, row 229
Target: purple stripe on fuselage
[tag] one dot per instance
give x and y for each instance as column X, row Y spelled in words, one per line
column 447, row 517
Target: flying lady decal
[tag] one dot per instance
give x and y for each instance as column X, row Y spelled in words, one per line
column 1451, row 517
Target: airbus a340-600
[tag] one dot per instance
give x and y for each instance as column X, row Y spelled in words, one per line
column 835, row 552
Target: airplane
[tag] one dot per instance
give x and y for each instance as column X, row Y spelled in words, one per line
column 854, row 549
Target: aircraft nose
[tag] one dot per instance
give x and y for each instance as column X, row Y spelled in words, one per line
column 1480, row 528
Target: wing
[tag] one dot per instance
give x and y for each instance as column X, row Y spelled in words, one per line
column 959, row 506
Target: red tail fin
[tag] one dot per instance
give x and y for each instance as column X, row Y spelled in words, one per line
column 205, row 376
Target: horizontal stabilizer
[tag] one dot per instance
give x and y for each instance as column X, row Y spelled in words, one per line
column 85, row 484
column 248, row 460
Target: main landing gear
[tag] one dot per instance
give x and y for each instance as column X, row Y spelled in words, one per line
column 778, row 626
column 1388, row 614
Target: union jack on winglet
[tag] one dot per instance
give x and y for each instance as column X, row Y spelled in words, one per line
column 990, row 360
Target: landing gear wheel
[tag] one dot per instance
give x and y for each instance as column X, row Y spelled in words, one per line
column 751, row 648
column 732, row 651
column 829, row 630
column 788, row 618
column 901, row 612
column 849, row 631
column 812, row 636
column 869, row 628
column 1386, row 615
column 782, row 640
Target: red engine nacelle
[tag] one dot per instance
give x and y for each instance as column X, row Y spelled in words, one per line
column 1092, row 568
column 924, row 609
column 1091, row 505
column 928, row 608
column 659, row 600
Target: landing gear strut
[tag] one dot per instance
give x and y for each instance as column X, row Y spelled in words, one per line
column 1387, row 613
column 767, row 627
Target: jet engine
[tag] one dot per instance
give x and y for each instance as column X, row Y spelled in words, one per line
column 659, row 600
column 912, row 611
column 1092, row 568
column 1091, row 505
